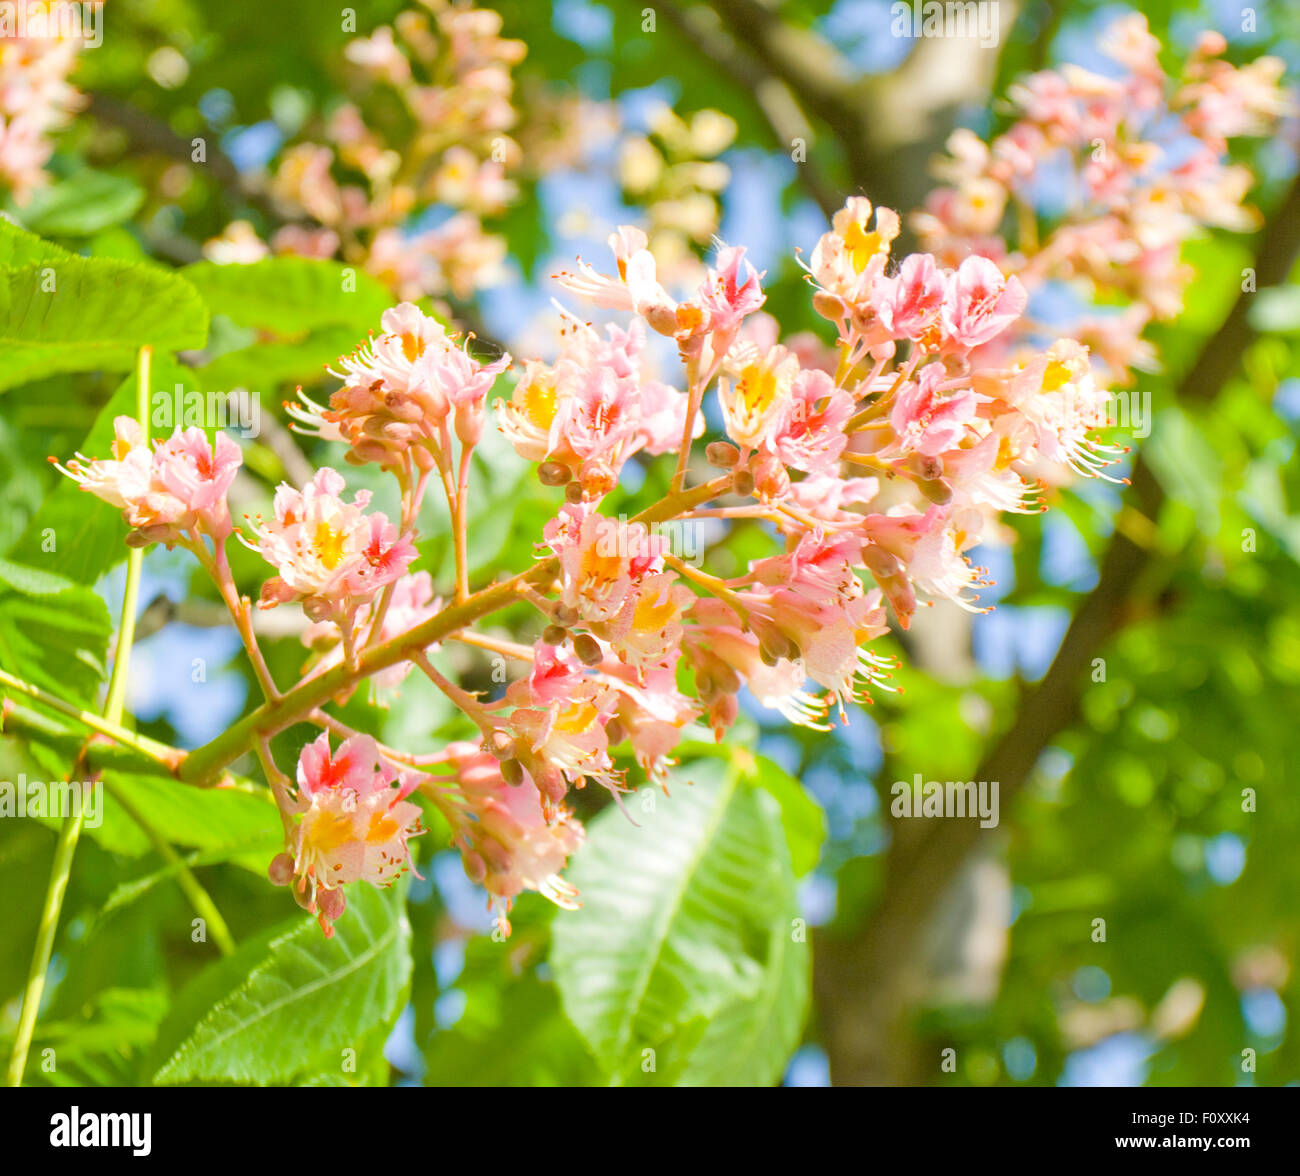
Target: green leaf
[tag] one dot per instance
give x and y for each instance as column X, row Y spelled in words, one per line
column 1276, row 310
column 1187, row 465
column 53, row 633
column 232, row 820
column 292, row 294
column 686, row 942
column 99, row 1048
column 80, row 314
column 18, row 247
column 265, row 366
column 268, row 1013
column 801, row 816
column 83, row 204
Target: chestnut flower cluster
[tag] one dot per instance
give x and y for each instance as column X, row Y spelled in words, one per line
column 36, row 97
column 449, row 69
column 876, row 463
column 1124, row 169
column 877, row 477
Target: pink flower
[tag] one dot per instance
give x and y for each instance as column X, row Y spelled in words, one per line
column 759, row 398
column 818, row 614
column 353, row 824
column 926, row 421
column 908, row 304
column 651, row 713
column 330, row 554
column 729, row 293
column 850, row 259
column 199, row 475
column 592, row 409
column 1063, row 405
column 399, row 392
column 980, row 302
column 464, row 382
column 169, row 494
column 602, row 561
column 636, row 288
column 511, row 839
column 564, row 742
column 809, row 434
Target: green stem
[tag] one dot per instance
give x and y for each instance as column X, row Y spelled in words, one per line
column 70, row 831
column 204, row 763
column 161, row 753
column 199, row 898
column 68, row 834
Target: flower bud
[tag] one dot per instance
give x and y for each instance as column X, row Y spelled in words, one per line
column 331, row 903
column 475, row 866
column 553, row 473
column 564, row 615
column 554, row 635
column 588, row 649
column 280, row 871
column 573, row 492
column 771, row 479
column 722, row 454
column 512, row 772
column 927, row 468
column 742, row 483
column 936, row 491
column 828, row 306
column 500, row 743
column 881, row 562
column 774, row 645
column 598, row 478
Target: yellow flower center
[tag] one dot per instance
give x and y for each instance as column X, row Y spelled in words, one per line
column 328, row 831
column 1056, row 376
column 539, row 404
column 757, row 388
column 653, row 613
column 575, row 718
column 412, row 346
column 862, row 246
column 599, row 568
column 383, row 827
column 328, row 544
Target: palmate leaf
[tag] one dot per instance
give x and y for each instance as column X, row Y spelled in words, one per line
column 53, row 633
column 100, row 1047
column 688, row 941
column 215, row 819
column 83, row 204
column 270, row 1012
column 265, row 366
column 19, row 247
column 76, row 314
column 292, row 294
